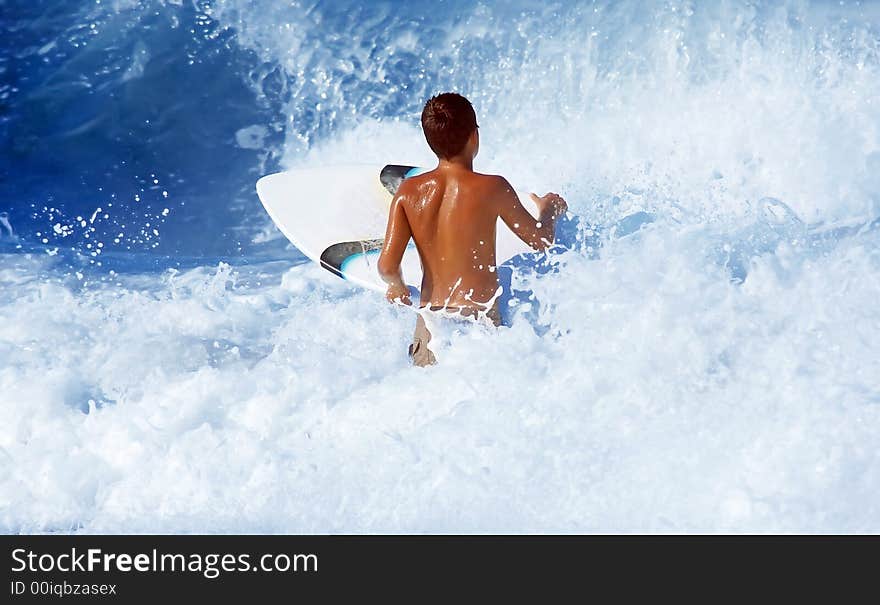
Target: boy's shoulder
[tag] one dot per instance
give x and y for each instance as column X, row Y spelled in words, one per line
column 491, row 186
column 489, row 181
column 414, row 185
column 492, row 179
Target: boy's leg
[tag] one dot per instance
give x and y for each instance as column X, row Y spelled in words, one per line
column 419, row 352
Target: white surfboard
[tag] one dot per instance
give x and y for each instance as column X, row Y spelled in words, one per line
column 336, row 216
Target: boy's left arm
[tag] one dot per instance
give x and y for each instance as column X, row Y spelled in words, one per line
column 396, row 239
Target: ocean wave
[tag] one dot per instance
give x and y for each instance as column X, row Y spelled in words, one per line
column 704, row 360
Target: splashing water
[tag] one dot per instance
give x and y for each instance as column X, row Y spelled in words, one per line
column 706, row 360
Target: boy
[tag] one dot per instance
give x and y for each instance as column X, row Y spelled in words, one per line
column 451, row 213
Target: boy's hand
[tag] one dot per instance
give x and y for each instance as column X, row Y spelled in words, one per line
column 398, row 293
column 551, row 203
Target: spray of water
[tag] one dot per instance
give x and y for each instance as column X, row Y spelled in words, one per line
column 709, row 365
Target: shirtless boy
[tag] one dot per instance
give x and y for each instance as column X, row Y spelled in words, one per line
column 451, row 213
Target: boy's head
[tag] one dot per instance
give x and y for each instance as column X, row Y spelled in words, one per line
column 449, row 122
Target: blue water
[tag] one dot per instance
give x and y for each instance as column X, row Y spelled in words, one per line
column 122, row 111
column 705, row 359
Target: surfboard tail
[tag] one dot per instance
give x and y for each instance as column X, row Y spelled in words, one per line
column 393, row 174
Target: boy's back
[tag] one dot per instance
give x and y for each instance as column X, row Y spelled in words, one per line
column 451, row 213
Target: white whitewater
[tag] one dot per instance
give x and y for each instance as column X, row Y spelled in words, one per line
column 716, row 370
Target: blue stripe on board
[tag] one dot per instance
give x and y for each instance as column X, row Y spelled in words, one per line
column 414, row 171
column 349, row 259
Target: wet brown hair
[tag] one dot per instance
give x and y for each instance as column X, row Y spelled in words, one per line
column 448, row 120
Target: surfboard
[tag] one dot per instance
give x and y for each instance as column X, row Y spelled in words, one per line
column 336, row 216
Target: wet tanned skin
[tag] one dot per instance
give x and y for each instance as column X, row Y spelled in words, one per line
column 451, row 213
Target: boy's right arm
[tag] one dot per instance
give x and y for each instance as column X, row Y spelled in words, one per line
column 397, row 236
column 539, row 234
